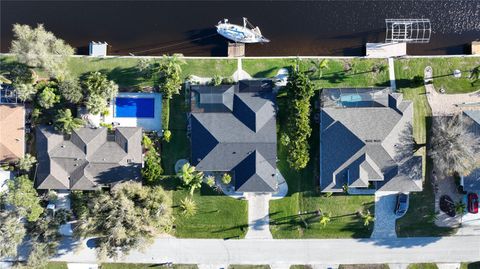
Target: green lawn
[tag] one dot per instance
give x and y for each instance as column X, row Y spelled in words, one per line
column 422, row 266
column 124, row 73
column 244, row 266
column 472, row 265
column 145, row 266
column 419, row 219
column 56, row 265
column 293, row 217
column 361, row 74
column 443, row 68
column 363, row 266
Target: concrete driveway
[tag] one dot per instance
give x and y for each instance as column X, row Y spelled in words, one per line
column 384, row 225
column 258, row 220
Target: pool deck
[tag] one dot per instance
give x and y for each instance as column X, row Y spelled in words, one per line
column 148, row 124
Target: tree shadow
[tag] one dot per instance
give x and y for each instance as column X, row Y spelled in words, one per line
column 413, row 83
column 264, row 73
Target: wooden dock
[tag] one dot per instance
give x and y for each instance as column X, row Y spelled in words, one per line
column 236, row 50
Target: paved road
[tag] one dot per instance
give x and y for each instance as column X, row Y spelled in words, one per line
column 328, row 251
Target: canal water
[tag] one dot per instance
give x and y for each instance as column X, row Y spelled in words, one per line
column 157, row 27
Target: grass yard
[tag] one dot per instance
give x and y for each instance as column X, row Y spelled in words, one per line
column 56, row 265
column 360, row 75
column 472, row 265
column 145, row 266
column 245, row 266
column 422, row 266
column 363, row 266
column 293, row 216
column 125, row 74
column 419, row 220
column 443, row 68
column 218, row 216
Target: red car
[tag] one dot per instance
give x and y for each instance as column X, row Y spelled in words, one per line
column 473, row 203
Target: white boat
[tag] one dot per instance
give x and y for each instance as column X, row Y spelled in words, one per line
column 241, row 34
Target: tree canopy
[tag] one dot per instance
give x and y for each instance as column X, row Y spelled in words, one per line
column 100, row 91
column 454, row 148
column 66, row 123
column 171, row 75
column 12, row 232
column 127, row 218
column 299, row 91
column 25, row 92
column 23, row 196
column 191, row 178
column 71, row 90
column 48, row 98
column 37, row 47
column 26, row 163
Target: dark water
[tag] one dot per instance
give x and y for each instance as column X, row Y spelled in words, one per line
column 294, row 27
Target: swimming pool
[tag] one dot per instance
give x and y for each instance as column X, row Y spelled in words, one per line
column 134, row 107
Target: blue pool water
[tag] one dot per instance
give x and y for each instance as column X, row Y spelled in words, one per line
column 134, row 107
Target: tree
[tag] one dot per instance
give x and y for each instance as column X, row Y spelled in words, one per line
column 12, row 232
column 48, row 98
column 170, row 75
column 100, row 91
column 37, row 47
column 299, row 90
column 226, row 178
column 367, row 218
column 96, row 104
column 23, row 196
column 71, row 90
column 475, row 75
column 45, row 239
column 127, row 218
column 152, row 170
column 167, row 135
column 325, row 218
column 319, row 66
column 66, row 123
column 26, row 163
column 188, row 206
column 453, row 147
column 191, row 178
column 145, row 67
column 25, row 92
column 4, row 79
column 98, row 83
column 210, row 180
column 460, row 210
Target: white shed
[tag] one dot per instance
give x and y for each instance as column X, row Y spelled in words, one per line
column 97, row 49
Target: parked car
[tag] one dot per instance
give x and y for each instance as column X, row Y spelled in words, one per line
column 402, row 205
column 472, row 203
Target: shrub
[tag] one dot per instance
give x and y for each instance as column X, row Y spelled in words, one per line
column 226, row 178
column 167, row 135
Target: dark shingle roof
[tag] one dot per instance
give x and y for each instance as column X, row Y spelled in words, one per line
column 358, row 142
column 241, row 140
column 88, row 159
column 471, row 182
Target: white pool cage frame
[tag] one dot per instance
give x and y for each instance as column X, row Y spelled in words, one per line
column 408, row 30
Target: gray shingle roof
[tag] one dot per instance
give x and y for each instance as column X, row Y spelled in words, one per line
column 242, row 139
column 471, row 182
column 358, row 141
column 88, row 160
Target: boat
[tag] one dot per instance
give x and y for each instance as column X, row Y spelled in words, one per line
column 241, row 34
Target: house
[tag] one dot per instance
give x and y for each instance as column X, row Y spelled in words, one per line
column 361, row 136
column 88, row 159
column 471, row 182
column 12, row 132
column 233, row 129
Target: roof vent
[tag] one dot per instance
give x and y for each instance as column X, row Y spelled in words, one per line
column 234, row 152
column 129, row 160
column 62, row 146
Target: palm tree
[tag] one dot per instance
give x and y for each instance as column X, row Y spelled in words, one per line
column 26, row 163
column 460, row 209
column 453, row 147
column 66, row 123
column 367, row 218
column 475, row 74
column 3, row 79
column 226, row 178
column 190, row 177
column 188, row 206
column 319, row 65
column 325, row 218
